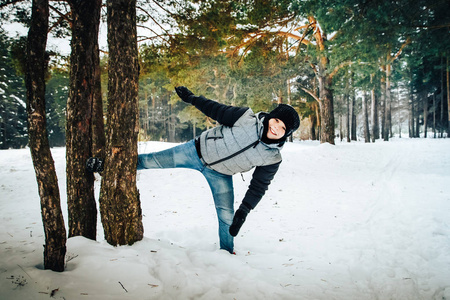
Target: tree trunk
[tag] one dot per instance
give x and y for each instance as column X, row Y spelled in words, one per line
column 325, row 86
column 417, row 111
column 98, row 124
column 353, row 129
column 326, row 110
column 448, row 99
column 387, row 108
column 348, row 118
column 80, row 121
column 52, row 218
column 411, row 111
column 441, row 117
column 366, row 119
column 425, row 113
column 119, row 199
column 374, row 112
column 383, row 107
column 434, row 115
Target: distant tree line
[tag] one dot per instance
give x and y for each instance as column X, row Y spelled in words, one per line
column 372, row 68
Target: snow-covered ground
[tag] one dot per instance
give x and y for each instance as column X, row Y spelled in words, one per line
column 351, row 221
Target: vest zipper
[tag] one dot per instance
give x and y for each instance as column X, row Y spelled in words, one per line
column 254, row 144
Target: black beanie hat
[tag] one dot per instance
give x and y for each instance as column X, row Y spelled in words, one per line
column 288, row 115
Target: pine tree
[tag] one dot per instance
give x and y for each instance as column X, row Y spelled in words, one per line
column 119, row 197
column 81, row 115
column 55, row 233
column 13, row 132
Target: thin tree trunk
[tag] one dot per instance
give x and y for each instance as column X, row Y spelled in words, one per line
column 52, row 217
column 425, row 113
column 81, row 104
column 448, row 99
column 353, row 129
column 411, row 99
column 366, row 119
column 348, row 118
column 383, row 106
column 411, row 118
column 374, row 112
column 434, row 115
column 441, row 118
column 119, row 200
column 312, row 130
column 387, row 112
column 417, row 111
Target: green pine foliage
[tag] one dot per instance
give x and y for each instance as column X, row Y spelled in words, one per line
column 13, row 118
column 259, row 53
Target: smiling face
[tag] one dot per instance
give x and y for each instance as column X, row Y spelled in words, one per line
column 276, row 129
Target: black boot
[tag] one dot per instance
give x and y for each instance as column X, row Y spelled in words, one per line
column 94, row 164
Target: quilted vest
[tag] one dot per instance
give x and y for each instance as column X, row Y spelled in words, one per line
column 237, row 149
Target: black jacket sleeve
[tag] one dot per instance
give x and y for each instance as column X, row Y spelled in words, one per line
column 224, row 114
column 262, row 176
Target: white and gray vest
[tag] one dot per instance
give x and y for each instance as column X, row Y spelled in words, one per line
column 237, row 149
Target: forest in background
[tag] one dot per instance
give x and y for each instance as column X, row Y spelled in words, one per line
column 382, row 66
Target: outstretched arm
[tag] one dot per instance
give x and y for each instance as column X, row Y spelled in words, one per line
column 262, row 176
column 224, row 114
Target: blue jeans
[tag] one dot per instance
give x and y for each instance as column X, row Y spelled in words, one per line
column 185, row 156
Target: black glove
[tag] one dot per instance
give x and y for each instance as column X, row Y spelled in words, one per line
column 184, row 93
column 94, row 164
column 239, row 218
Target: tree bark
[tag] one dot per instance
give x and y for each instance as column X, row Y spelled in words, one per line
column 348, row 117
column 82, row 112
column 119, row 200
column 448, row 99
column 434, row 115
column 387, row 108
column 425, row 113
column 52, row 218
column 353, row 129
column 441, row 117
column 366, row 119
column 325, row 86
column 374, row 112
column 383, row 105
column 417, row 111
column 326, row 110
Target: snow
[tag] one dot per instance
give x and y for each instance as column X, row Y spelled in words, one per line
column 351, row 221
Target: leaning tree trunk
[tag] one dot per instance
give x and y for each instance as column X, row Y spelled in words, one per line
column 52, row 218
column 119, row 199
column 84, row 80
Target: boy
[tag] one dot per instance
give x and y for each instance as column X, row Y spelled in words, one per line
column 243, row 141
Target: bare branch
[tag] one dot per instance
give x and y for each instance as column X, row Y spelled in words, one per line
column 156, row 34
column 153, row 19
